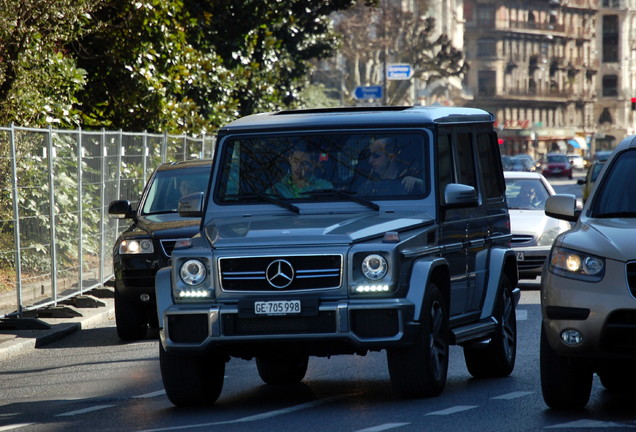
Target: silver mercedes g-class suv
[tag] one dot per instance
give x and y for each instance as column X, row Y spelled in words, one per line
column 344, row 231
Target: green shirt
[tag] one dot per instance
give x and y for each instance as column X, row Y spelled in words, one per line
column 287, row 189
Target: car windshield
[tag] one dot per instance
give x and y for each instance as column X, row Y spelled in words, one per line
column 616, row 196
column 313, row 167
column 557, row 159
column 526, row 194
column 168, row 186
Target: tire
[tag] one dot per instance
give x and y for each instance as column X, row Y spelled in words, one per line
column 130, row 319
column 191, row 379
column 282, row 369
column 497, row 359
column 420, row 370
column 566, row 383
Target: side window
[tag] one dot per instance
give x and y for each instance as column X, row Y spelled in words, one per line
column 489, row 163
column 465, row 160
column 444, row 163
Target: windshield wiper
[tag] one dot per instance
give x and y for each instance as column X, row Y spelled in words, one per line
column 347, row 194
column 267, row 198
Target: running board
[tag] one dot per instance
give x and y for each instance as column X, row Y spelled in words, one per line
column 480, row 330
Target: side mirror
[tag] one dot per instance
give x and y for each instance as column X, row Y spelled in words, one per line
column 460, row 195
column 191, row 205
column 120, row 209
column 562, row 206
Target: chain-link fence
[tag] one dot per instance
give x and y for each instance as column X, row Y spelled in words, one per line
column 55, row 187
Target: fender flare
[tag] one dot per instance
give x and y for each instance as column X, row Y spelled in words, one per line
column 502, row 261
column 421, row 273
column 163, row 292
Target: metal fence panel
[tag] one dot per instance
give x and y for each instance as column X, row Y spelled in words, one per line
column 55, row 186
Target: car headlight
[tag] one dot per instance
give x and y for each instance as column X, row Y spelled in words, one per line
column 132, row 247
column 193, row 272
column 374, row 267
column 548, row 237
column 578, row 265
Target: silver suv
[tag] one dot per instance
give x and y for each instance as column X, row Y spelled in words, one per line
column 344, row 231
column 588, row 289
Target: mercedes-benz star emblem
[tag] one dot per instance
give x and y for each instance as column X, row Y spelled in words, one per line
column 280, row 274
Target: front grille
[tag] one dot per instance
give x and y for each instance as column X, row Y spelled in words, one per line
column 619, row 335
column 188, row 328
column 324, row 322
column 139, row 278
column 519, row 240
column 376, row 323
column 631, row 277
column 308, row 272
column 531, row 262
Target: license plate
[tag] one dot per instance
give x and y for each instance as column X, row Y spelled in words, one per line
column 556, row 171
column 278, row 307
column 520, row 256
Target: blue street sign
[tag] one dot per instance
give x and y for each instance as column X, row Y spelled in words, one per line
column 399, row 72
column 368, row 92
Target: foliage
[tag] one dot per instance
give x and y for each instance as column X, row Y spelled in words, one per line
column 38, row 80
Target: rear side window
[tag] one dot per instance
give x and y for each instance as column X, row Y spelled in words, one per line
column 489, row 161
column 465, row 158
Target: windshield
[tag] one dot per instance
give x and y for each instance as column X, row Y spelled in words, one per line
column 616, row 196
column 557, row 159
column 168, row 186
column 316, row 167
column 526, row 194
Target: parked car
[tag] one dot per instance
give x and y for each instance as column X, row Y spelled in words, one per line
column 557, row 165
column 530, row 160
column 588, row 289
column 577, row 161
column 590, row 178
column 402, row 246
column 532, row 231
column 145, row 246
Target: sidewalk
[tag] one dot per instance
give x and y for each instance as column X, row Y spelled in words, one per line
column 41, row 327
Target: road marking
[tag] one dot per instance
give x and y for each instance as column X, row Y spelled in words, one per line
column 383, row 427
column 85, row 410
column 150, row 395
column 258, row 417
column 589, row 424
column 453, row 410
column 522, row 314
column 15, row 426
column 513, row 395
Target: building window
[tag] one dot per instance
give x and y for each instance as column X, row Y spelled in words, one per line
column 610, row 85
column 486, row 83
column 486, row 48
column 610, row 39
column 486, row 16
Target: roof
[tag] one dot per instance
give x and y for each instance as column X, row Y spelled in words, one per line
column 522, row 175
column 184, row 164
column 356, row 117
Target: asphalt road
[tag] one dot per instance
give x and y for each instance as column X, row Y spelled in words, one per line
column 90, row 381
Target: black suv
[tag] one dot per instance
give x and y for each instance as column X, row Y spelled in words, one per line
column 146, row 245
column 344, row 231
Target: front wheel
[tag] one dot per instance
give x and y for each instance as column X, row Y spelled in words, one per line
column 497, row 359
column 420, row 370
column 191, row 379
column 130, row 319
column 566, row 383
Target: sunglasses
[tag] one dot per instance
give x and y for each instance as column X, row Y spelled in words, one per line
column 376, row 155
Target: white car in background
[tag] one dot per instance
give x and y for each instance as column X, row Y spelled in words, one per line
column 532, row 231
column 577, row 161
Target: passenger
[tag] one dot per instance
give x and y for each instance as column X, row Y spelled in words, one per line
column 300, row 180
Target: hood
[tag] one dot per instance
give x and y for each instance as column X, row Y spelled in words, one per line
column 308, row 229
column 609, row 238
column 166, row 225
column 530, row 222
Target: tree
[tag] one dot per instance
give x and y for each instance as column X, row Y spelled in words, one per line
column 38, row 78
column 369, row 41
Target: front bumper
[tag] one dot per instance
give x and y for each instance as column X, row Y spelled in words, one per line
column 603, row 312
column 334, row 327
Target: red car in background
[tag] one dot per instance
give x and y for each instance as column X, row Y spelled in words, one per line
column 556, row 165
